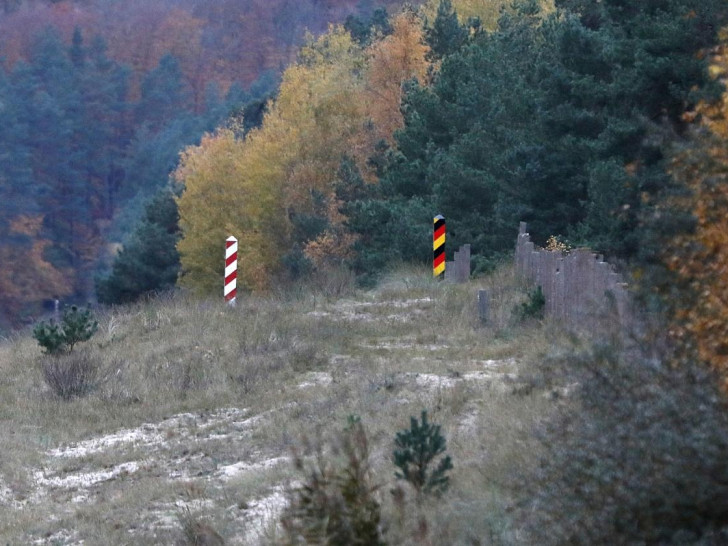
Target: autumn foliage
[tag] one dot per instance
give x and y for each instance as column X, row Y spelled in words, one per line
column 222, row 41
column 392, row 61
column 338, row 99
column 700, row 259
column 26, row 275
column 98, row 98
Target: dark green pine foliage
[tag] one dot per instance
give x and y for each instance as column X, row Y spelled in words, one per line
column 635, row 67
column 364, row 26
column 49, row 336
column 77, row 325
column 446, row 35
column 149, row 261
column 104, row 132
column 152, row 155
column 467, row 151
column 384, row 223
column 52, row 106
column 77, row 52
column 73, row 101
column 103, row 84
column 16, row 191
column 561, row 121
column 417, row 449
column 379, row 23
column 251, row 104
column 61, row 115
column 358, row 28
column 164, row 94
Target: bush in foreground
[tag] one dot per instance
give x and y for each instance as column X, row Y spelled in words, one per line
column 71, row 374
column 336, row 505
column 636, row 455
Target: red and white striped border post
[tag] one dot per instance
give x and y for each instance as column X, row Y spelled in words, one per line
column 231, row 270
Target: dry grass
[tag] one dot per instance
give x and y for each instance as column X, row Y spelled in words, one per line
column 198, row 407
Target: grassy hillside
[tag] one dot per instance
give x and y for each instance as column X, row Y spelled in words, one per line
column 199, row 410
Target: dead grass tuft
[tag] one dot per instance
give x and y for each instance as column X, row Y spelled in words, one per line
column 70, row 374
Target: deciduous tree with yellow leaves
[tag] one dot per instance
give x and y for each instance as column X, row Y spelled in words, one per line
column 257, row 186
column 399, row 57
column 700, row 259
column 223, row 197
column 274, row 189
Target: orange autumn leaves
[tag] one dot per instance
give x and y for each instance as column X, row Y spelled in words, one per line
column 26, row 275
column 701, row 259
column 338, row 100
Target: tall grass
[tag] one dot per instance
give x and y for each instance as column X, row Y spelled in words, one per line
column 299, row 363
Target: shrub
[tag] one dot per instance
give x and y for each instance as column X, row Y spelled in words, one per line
column 416, row 449
column 555, row 244
column 336, row 505
column 307, row 357
column 196, row 532
column 76, row 326
column 71, row 374
column 636, row 455
column 533, row 307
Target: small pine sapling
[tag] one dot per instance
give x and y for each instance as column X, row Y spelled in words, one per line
column 416, row 449
column 76, row 326
column 49, row 336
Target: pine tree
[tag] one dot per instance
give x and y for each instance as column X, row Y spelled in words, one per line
column 53, row 108
column 164, row 94
column 365, row 27
column 16, row 191
column 446, row 36
column 417, row 449
column 104, row 88
column 76, row 326
column 77, row 52
column 149, row 262
column 561, row 121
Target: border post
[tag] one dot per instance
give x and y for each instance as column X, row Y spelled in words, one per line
column 231, row 270
column 438, row 247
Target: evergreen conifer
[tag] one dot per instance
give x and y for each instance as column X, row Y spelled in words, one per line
column 149, row 262
column 417, row 448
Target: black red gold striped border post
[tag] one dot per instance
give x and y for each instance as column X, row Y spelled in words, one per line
column 438, row 247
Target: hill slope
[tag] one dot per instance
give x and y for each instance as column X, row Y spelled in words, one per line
column 201, row 408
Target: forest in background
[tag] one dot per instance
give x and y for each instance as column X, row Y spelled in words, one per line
column 598, row 123
column 97, row 99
